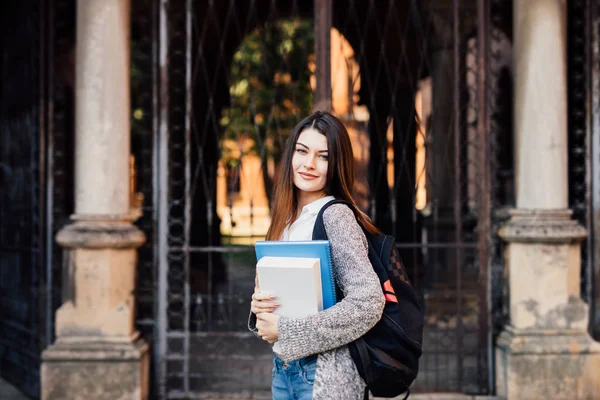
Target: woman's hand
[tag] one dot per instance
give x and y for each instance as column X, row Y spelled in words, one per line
column 262, row 302
column 266, row 324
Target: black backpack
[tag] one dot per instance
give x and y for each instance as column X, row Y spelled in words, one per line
column 387, row 356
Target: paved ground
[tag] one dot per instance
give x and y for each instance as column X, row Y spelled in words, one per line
column 7, row 392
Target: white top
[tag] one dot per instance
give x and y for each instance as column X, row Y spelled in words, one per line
column 302, row 228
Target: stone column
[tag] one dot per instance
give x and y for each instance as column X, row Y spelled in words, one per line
column 98, row 353
column 545, row 352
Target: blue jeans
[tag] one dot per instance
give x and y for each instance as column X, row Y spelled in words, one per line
column 293, row 380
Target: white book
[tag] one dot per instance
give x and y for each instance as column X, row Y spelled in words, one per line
column 294, row 281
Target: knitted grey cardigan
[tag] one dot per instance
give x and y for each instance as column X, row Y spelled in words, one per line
column 327, row 333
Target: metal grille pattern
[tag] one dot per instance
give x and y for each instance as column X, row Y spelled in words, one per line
column 20, row 196
column 501, row 138
column 584, row 113
column 594, row 132
column 143, row 130
column 579, row 194
column 36, row 114
column 60, row 132
column 232, row 79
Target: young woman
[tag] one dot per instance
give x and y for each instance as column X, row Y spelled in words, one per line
column 311, row 359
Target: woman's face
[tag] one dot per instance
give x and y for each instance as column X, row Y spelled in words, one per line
column 309, row 163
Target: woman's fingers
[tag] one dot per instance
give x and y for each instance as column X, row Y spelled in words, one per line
column 263, row 302
column 261, row 306
column 262, row 296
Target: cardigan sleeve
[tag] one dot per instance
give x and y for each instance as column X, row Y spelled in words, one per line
column 363, row 302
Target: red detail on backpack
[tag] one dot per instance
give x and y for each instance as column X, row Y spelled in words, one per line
column 387, row 286
column 388, row 292
column 390, row 297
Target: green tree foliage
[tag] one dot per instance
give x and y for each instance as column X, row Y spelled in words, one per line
column 270, row 91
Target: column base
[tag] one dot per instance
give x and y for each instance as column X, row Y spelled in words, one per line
column 549, row 364
column 96, row 371
column 99, row 272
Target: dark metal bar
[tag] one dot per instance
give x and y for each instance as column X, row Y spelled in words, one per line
column 49, row 173
column 578, row 130
column 188, row 202
column 458, row 184
column 23, row 328
column 323, row 23
column 462, row 245
column 18, row 249
column 431, row 277
column 211, row 249
column 247, row 249
column 162, row 187
column 43, row 122
column 157, row 330
column 594, row 140
column 32, row 354
column 589, row 243
column 484, row 203
column 587, row 246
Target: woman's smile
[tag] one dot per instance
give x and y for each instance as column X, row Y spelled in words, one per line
column 307, row 176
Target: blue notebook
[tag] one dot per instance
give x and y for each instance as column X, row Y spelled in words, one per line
column 310, row 249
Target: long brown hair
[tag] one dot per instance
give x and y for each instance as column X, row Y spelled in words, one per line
column 340, row 173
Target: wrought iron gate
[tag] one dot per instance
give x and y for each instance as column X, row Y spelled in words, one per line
column 21, row 199
column 583, row 46
column 35, row 186
column 215, row 87
column 424, row 89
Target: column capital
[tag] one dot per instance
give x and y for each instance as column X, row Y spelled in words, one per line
column 101, row 232
column 542, row 226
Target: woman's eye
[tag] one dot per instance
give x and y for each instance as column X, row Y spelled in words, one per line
column 324, row 157
column 301, row 151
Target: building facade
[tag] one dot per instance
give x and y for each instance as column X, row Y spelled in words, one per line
column 140, row 139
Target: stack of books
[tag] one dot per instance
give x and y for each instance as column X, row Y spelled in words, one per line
column 298, row 273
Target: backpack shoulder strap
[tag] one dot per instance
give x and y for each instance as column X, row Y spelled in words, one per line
column 319, row 232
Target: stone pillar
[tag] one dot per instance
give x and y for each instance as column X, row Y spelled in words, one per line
column 545, row 352
column 98, row 353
